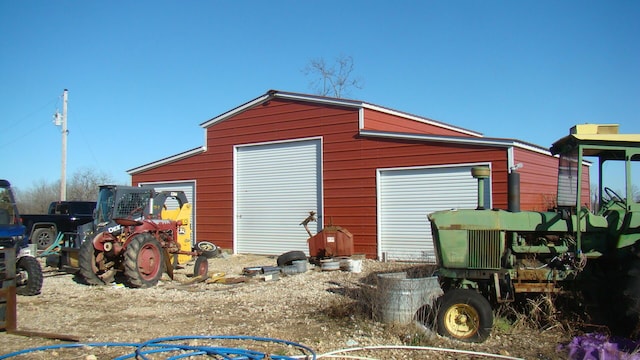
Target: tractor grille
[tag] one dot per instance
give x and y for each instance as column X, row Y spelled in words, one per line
column 484, row 249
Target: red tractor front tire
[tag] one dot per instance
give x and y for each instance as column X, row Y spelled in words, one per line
column 143, row 261
column 92, row 263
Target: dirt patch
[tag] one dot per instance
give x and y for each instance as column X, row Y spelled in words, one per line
column 324, row 310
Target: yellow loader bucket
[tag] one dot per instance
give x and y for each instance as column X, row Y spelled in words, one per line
column 182, row 214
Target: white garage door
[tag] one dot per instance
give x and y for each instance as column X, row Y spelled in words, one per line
column 189, row 191
column 407, row 196
column 277, row 186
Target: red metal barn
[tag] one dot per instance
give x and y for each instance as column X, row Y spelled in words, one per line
column 374, row 171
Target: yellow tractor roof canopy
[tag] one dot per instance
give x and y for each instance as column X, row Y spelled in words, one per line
column 596, row 135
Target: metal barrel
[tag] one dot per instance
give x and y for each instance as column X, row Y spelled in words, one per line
column 399, row 298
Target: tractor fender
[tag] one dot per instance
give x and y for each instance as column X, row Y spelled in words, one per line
column 134, row 234
column 99, row 240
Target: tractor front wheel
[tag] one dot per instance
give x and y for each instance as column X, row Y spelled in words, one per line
column 95, row 268
column 28, row 276
column 201, row 267
column 143, row 261
column 464, row 315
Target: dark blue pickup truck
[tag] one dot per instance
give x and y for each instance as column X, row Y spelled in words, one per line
column 62, row 217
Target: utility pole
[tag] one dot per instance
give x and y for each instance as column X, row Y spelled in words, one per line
column 62, row 121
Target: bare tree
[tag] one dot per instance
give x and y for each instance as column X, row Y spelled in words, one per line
column 332, row 79
column 83, row 186
column 36, row 200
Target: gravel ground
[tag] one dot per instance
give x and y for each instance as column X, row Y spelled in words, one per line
column 326, row 311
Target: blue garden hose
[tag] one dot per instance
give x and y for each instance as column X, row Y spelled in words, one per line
column 167, row 344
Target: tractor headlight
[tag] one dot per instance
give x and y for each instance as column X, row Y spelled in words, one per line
column 29, row 250
column 11, row 241
column 20, row 240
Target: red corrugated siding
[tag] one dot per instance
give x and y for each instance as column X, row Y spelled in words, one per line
column 349, row 166
column 376, row 120
column 539, row 180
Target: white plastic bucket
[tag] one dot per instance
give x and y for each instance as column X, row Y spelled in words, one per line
column 355, row 266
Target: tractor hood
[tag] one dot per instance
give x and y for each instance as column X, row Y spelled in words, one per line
column 467, row 219
column 11, row 234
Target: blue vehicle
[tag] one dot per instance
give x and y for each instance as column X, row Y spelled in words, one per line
column 28, row 269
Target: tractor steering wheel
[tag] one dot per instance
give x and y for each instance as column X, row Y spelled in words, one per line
column 613, row 195
column 613, row 199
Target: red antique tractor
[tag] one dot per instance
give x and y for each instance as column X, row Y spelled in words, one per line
column 138, row 237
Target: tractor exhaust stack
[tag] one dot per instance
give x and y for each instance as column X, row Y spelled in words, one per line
column 481, row 173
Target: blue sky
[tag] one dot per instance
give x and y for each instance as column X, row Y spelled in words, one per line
column 142, row 75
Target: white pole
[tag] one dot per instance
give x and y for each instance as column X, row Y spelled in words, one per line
column 65, row 132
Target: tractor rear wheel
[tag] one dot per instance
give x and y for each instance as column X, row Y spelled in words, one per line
column 43, row 238
column 629, row 321
column 143, row 261
column 28, row 276
column 94, row 267
column 464, row 315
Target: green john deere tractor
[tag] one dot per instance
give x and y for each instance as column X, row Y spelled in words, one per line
column 487, row 257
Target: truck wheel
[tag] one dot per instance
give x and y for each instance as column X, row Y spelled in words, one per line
column 464, row 315
column 28, row 276
column 289, row 257
column 92, row 265
column 43, row 237
column 201, row 267
column 143, row 261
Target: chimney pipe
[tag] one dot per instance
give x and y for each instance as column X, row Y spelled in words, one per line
column 513, row 185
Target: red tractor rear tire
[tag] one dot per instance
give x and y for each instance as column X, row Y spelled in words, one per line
column 143, row 261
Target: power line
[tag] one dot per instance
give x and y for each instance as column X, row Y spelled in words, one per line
column 31, row 130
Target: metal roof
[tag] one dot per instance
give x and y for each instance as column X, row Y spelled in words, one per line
column 272, row 94
column 475, row 138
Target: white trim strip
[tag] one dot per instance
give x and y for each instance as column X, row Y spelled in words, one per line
column 457, row 140
column 318, row 99
column 166, row 160
column 236, row 110
column 421, row 119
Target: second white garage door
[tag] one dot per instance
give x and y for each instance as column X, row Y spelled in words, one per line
column 277, row 185
column 406, row 196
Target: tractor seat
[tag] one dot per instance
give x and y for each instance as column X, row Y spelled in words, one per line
column 613, row 220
